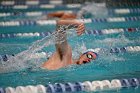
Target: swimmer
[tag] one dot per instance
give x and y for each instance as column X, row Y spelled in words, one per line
column 61, row 15
column 65, row 15
column 63, row 55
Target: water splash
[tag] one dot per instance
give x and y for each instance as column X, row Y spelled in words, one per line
column 96, row 9
column 78, row 50
column 113, row 42
column 23, row 59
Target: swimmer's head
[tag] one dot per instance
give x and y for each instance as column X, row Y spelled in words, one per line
column 87, row 57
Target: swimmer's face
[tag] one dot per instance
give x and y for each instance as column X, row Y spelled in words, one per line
column 86, row 58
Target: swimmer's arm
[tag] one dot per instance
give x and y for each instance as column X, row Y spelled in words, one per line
column 56, row 14
column 80, row 28
column 62, row 15
column 63, row 47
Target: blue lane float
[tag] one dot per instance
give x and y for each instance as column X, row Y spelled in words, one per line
column 87, row 86
column 69, row 87
column 134, row 82
column 123, row 4
column 78, row 86
column 50, row 88
column 40, row 13
column 118, row 50
column 53, row 22
column 41, row 6
column 29, row 14
column 5, row 57
column 125, row 83
column 55, row 2
column 2, row 90
column 125, row 11
column 59, row 88
column 88, row 32
column 31, row 2
column 115, row 50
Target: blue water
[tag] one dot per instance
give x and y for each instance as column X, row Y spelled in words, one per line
column 107, row 66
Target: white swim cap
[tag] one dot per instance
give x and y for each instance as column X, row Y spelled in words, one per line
column 95, row 51
column 92, row 50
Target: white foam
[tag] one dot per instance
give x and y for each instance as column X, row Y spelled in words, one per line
column 22, row 60
column 38, row 55
column 96, row 9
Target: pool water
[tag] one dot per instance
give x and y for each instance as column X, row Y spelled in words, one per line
column 107, row 66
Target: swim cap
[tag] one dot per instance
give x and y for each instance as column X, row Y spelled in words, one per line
column 91, row 50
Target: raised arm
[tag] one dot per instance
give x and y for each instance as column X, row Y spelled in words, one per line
column 55, row 14
column 62, row 15
column 62, row 44
column 80, row 28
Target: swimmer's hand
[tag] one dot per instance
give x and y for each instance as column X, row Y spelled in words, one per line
column 80, row 28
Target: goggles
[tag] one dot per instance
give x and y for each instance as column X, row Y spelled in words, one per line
column 90, row 56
